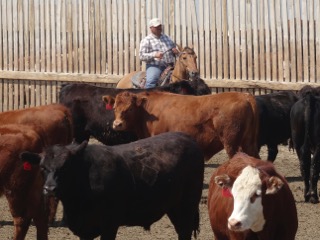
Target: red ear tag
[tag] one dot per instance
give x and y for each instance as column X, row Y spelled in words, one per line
column 109, row 106
column 27, row 166
column 226, row 192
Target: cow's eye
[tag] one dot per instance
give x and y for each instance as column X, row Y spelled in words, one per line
column 254, row 197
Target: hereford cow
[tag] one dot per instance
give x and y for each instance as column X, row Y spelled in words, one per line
column 274, row 115
column 91, row 118
column 226, row 120
column 248, row 199
column 135, row 184
column 305, row 128
column 29, row 129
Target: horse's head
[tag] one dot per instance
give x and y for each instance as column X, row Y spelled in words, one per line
column 186, row 64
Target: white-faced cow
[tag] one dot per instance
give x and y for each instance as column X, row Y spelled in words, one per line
column 226, row 120
column 91, row 118
column 135, row 184
column 305, row 128
column 248, row 199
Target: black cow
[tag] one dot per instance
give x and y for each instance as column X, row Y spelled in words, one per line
column 135, row 184
column 274, row 115
column 305, row 128
column 90, row 117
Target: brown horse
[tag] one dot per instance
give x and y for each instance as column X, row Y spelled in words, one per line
column 185, row 68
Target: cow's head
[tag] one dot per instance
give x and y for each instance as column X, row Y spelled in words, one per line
column 248, row 190
column 125, row 105
column 54, row 163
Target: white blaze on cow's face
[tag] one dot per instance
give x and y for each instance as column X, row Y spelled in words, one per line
column 248, row 210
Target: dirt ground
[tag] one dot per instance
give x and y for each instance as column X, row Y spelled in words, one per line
column 286, row 163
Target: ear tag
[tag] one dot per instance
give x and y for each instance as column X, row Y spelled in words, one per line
column 27, row 166
column 226, row 192
column 109, row 106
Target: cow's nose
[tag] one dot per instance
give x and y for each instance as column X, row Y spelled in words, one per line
column 234, row 224
column 48, row 190
column 117, row 125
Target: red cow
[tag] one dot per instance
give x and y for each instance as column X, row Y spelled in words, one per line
column 31, row 129
column 248, row 199
column 226, row 120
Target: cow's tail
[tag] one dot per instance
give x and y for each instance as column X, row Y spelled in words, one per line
column 196, row 229
column 254, row 128
column 310, row 102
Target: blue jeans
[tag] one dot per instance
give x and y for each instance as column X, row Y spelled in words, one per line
column 153, row 73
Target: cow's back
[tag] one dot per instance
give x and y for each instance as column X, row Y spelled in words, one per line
column 227, row 120
column 53, row 122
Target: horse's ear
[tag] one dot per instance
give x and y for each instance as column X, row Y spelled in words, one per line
column 179, row 47
column 191, row 46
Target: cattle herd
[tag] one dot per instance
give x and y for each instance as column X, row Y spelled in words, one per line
column 151, row 160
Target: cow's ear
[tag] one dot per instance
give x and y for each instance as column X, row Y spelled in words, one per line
column 108, row 99
column 140, row 101
column 274, row 184
column 32, row 158
column 222, row 181
column 76, row 148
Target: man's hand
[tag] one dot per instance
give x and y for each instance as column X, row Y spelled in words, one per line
column 175, row 51
column 158, row 55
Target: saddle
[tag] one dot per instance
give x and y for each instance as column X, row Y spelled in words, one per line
column 139, row 79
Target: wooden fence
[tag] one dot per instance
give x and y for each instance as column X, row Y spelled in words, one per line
column 241, row 44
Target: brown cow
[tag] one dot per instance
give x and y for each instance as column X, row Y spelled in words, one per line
column 43, row 126
column 248, row 199
column 54, row 121
column 225, row 120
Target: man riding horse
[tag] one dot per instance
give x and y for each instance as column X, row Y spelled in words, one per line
column 159, row 52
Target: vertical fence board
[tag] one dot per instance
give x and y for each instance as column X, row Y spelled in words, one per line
column 279, row 40
column 10, row 35
column 311, row 40
column 305, row 41
column 286, row 43
column 15, row 35
column 255, row 40
column 219, row 38
column 317, row 14
column 274, row 49
column 32, row 35
column 119, row 19
column 291, row 16
column 126, row 33
column 262, row 56
column 236, row 8
column 75, row 36
column 267, row 42
column 224, row 41
column 299, row 50
column 249, row 39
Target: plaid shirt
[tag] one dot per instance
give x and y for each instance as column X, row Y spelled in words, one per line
column 152, row 44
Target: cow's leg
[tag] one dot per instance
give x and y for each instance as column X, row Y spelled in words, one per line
column 21, row 226
column 315, row 168
column 304, row 156
column 185, row 219
column 109, row 231
column 41, row 223
column 272, row 152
